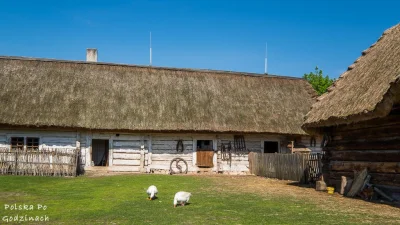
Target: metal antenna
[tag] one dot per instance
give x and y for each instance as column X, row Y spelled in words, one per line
column 150, row 48
column 266, row 59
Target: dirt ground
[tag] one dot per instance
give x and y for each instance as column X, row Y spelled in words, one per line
column 273, row 188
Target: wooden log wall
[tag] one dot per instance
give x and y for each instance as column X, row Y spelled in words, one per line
column 163, row 150
column 239, row 163
column 314, row 147
column 129, row 156
column 373, row 144
column 125, row 148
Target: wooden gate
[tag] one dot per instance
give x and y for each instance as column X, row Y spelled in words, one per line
column 204, row 158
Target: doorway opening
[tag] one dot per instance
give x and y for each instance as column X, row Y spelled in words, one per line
column 100, row 150
column 271, row 146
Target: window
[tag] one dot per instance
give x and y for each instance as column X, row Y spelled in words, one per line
column 32, row 144
column 204, row 145
column 239, row 143
column 271, row 146
column 17, row 143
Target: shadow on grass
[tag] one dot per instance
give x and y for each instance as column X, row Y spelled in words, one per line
column 302, row 184
column 154, row 198
column 395, row 204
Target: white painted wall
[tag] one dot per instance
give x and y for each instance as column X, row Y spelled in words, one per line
column 158, row 149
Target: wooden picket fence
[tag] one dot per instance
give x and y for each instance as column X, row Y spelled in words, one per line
column 296, row 167
column 46, row 162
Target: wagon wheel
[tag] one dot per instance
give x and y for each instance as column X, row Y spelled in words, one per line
column 178, row 165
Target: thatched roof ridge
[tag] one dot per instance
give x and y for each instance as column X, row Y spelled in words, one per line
column 226, row 72
column 367, row 90
column 106, row 96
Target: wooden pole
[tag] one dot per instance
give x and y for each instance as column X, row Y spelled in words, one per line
column 292, row 147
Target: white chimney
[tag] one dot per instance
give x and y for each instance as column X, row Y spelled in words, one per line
column 91, row 55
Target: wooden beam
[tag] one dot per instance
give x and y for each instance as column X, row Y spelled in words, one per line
column 377, row 167
column 376, row 178
column 367, row 156
column 364, row 145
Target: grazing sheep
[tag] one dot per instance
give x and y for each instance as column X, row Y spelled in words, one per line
column 151, row 192
column 181, row 197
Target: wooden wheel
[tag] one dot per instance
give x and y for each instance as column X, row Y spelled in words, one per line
column 178, row 165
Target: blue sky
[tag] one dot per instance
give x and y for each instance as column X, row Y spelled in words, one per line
column 205, row 34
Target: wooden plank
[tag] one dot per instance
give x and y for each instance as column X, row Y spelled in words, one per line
column 159, row 152
column 171, row 138
column 376, row 178
column 391, row 120
column 135, row 155
column 375, row 145
column 156, row 157
column 130, row 162
column 280, row 166
column 124, row 168
column 58, row 139
column 367, row 156
column 368, row 134
column 166, row 162
column 159, row 166
column 377, row 167
column 128, row 151
column 132, row 144
column 127, row 137
column 204, row 158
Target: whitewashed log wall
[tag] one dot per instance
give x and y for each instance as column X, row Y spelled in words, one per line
column 305, row 140
column 163, row 150
column 129, row 155
column 148, row 152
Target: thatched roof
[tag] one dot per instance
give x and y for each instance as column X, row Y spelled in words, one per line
column 367, row 90
column 42, row 92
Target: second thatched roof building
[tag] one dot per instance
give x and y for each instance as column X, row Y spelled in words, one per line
column 360, row 115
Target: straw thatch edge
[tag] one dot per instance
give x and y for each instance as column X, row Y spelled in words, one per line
column 381, row 109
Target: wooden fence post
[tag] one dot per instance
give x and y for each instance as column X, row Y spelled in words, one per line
column 219, row 161
column 16, row 162
column 142, row 158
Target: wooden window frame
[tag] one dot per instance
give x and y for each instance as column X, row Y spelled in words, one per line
column 24, row 143
column 30, row 143
column 15, row 143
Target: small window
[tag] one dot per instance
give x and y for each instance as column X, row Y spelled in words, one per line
column 32, row 144
column 17, row 143
column 271, row 146
column 204, row 145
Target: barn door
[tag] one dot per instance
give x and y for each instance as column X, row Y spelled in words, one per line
column 204, row 153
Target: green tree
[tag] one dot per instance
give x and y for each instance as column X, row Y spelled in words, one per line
column 318, row 81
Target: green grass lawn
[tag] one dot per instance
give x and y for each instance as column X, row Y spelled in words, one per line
column 121, row 199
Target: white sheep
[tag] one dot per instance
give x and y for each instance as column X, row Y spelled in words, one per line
column 151, row 192
column 182, row 197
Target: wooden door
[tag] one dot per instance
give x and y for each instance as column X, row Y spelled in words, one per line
column 204, row 158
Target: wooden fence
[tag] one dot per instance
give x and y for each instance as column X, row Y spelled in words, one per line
column 296, row 167
column 47, row 162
